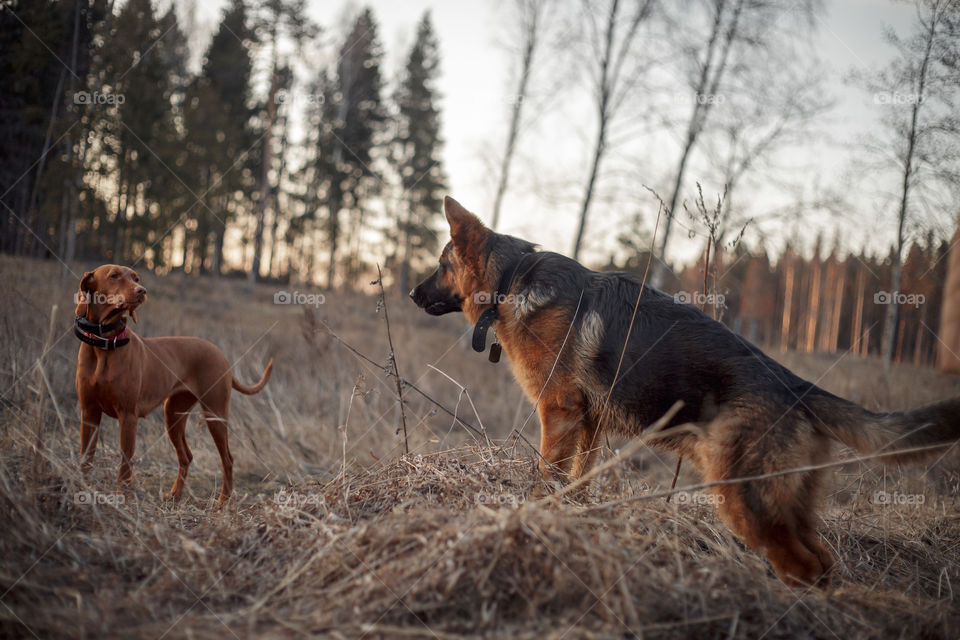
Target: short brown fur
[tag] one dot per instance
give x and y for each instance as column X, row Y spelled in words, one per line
column 130, row 382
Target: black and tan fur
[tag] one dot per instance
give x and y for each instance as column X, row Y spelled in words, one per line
column 563, row 329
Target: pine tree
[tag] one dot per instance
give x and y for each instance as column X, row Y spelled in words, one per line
column 358, row 116
column 132, row 111
column 417, row 148
column 219, row 137
column 319, row 173
column 280, row 18
column 40, row 127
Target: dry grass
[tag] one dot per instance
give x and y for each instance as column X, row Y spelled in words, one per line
column 332, row 532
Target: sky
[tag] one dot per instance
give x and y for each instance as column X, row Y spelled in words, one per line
column 551, row 167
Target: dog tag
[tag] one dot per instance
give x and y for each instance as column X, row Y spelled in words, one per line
column 495, row 350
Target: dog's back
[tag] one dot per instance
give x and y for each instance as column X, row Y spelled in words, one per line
column 677, row 352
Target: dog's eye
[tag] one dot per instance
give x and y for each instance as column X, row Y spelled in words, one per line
column 114, row 276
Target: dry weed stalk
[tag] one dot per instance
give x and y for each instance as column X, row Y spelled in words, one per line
column 463, row 391
column 43, row 387
column 382, row 304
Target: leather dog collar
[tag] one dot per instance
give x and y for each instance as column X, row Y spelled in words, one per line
column 489, row 315
column 88, row 332
column 95, row 327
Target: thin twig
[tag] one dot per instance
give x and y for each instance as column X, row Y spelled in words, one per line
column 463, row 391
column 633, row 318
column 406, row 383
column 41, row 396
column 393, row 361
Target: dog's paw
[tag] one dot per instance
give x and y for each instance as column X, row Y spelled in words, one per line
column 545, row 486
column 171, row 496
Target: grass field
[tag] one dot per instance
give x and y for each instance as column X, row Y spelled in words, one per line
column 334, row 532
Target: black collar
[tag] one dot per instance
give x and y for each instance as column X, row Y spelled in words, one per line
column 91, row 333
column 95, row 327
column 489, row 315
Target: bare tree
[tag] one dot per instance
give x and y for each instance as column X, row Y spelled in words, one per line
column 614, row 73
column 740, row 33
column 529, row 17
column 765, row 118
column 920, row 91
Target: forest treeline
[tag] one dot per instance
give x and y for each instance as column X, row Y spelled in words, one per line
column 824, row 299
column 116, row 151
column 290, row 152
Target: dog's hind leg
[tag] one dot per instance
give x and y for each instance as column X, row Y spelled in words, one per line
column 215, row 409
column 806, row 517
column 742, row 507
column 773, row 515
column 176, row 409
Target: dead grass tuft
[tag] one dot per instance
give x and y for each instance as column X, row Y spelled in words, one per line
column 333, row 533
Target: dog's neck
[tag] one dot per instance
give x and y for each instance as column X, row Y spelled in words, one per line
column 102, row 335
column 504, row 283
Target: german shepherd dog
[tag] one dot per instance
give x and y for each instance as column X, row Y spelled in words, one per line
column 564, row 327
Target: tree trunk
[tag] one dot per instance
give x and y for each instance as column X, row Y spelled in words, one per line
column 515, row 115
column 591, row 183
column 603, row 113
column 707, row 85
column 857, row 328
column 787, row 306
column 893, row 310
column 265, row 168
column 813, row 312
column 217, row 266
column 333, row 230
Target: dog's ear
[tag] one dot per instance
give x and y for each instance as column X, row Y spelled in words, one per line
column 83, row 294
column 466, row 229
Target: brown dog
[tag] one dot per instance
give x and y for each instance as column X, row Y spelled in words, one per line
column 600, row 351
column 126, row 376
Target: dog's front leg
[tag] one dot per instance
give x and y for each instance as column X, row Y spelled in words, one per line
column 128, row 442
column 566, row 450
column 89, row 433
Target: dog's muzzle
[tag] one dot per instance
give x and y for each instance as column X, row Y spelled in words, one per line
column 433, row 302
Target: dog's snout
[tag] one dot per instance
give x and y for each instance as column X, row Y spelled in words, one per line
column 413, row 294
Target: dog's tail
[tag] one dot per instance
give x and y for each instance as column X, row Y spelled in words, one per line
column 250, row 389
column 877, row 433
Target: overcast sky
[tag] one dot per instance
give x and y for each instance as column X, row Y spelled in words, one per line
column 552, row 162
